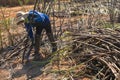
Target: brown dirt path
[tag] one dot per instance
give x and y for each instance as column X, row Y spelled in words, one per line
column 11, row 12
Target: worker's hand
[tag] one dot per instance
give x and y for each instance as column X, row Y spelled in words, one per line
column 54, row 49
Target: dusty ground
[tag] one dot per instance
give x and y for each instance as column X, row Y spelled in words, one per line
column 22, row 72
column 39, row 70
column 11, row 12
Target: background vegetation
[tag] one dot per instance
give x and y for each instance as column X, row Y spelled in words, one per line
column 11, row 3
column 86, row 31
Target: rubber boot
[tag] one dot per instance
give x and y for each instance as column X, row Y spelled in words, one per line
column 53, row 43
column 37, row 55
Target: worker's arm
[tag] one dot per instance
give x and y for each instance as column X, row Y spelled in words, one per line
column 29, row 30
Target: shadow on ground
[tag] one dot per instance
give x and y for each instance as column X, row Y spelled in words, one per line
column 29, row 70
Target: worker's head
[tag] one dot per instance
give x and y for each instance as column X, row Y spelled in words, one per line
column 21, row 16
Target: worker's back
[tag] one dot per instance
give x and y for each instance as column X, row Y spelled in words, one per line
column 39, row 17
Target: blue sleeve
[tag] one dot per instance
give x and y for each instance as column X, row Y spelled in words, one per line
column 29, row 30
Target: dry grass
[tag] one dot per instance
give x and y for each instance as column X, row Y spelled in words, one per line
column 88, row 48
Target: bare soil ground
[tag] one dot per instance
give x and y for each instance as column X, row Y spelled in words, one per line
column 22, row 72
column 11, row 12
column 41, row 71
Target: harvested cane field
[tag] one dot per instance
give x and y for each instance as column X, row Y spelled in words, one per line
column 87, row 34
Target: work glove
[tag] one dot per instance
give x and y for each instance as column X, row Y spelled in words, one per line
column 54, row 49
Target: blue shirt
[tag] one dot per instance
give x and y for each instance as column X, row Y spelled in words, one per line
column 36, row 18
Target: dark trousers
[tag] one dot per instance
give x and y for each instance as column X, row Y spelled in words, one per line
column 39, row 29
